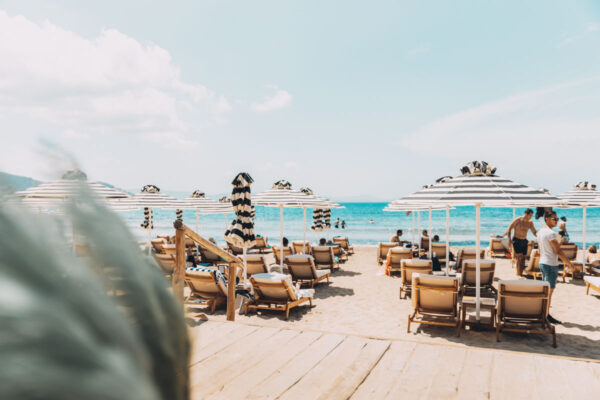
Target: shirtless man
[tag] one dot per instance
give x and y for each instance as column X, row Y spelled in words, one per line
column 518, row 242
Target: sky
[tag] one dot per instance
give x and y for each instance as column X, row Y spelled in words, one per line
column 357, row 100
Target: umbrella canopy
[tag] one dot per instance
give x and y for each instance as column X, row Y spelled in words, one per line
column 317, row 224
column 241, row 233
column 69, row 184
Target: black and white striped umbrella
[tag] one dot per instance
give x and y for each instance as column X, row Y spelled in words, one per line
column 327, row 218
column 241, row 232
column 317, row 224
column 583, row 195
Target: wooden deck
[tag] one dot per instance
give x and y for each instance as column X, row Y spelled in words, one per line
column 237, row 361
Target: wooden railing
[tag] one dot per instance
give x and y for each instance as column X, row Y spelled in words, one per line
column 181, row 231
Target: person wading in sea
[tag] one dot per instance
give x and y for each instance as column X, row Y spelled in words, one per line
column 518, row 242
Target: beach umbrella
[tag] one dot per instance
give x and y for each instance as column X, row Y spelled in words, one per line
column 317, row 225
column 319, row 215
column 148, row 199
column 478, row 186
column 202, row 205
column 283, row 196
column 241, row 232
column 584, row 195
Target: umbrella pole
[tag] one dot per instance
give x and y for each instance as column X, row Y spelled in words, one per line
column 477, row 266
column 413, row 230
column 419, row 230
column 197, row 222
column 149, row 241
column 447, row 237
column 281, row 234
column 514, row 213
column 429, row 235
column 245, row 269
column 583, row 255
column 304, row 237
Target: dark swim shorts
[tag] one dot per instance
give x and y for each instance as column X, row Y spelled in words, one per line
column 520, row 246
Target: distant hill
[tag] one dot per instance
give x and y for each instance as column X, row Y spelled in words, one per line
column 12, row 183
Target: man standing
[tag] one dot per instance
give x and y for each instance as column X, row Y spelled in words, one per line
column 549, row 253
column 518, row 242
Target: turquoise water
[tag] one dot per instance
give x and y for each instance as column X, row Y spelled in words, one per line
column 360, row 231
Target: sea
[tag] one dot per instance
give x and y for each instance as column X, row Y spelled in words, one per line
column 368, row 224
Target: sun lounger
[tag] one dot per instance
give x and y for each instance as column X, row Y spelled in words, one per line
column 435, row 301
column 340, row 253
column 287, row 251
column 343, row 241
column 261, row 244
column 468, row 276
column 394, row 258
column 158, row 245
column 205, row 286
column 301, row 247
column 531, row 245
column 276, row 292
column 256, row 264
column 424, row 244
column 439, row 250
column 591, row 282
column 523, row 307
column 208, row 257
column 570, row 250
column 303, row 270
column 323, row 257
column 383, row 249
column 497, row 248
column 410, row 267
column 533, row 267
column 467, row 254
column 167, row 263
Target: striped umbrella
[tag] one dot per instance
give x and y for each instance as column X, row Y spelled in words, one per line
column 479, row 186
column 202, row 205
column 283, row 196
column 241, row 232
column 583, row 195
column 317, row 224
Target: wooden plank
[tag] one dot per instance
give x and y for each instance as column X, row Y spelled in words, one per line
column 513, row 377
column 475, row 375
column 382, row 377
column 290, row 373
column 550, row 379
column 220, row 342
column 272, row 360
column 179, row 272
column 202, row 337
column 445, row 382
column 340, row 372
column 219, row 369
column 418, row 374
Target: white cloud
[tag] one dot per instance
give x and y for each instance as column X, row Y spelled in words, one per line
column 109, row 84
column 552, row 129
column 278, row 100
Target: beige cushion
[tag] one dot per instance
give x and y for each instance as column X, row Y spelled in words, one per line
column 443, row 301
column 521, row 306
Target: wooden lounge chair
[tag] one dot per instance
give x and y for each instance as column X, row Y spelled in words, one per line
column 395, row 256
column 167, row 263
column 287, row 251
column 570, row 250
column 533, row 266
column 410, row 267
column 467, row 254
column 592, row 282
column 158, row 245
column 262, row 244
column 532, row 244
column 343, row 241
column 424, row 244
column 208, row 257
column 439, row 249
column 468, row 276
column 383, row 249
column 340, row 253
column 435, row 301
column 523, row 307
column 497, row 248
column 323, row 257
column 301, row 247
column 275, row 292
column 256, row 264
column 303, row 270
column 205, row 286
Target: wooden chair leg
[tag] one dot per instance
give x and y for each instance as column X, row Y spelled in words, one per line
column 587, row 288
column 498, row 332
column 287, row 311
column 408, row 327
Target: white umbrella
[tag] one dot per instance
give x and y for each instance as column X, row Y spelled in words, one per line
column 283, row 196
column 480, row 186
column 584, row 195
column 202, row 205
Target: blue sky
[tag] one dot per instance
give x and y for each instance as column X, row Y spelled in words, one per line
column 350, row 98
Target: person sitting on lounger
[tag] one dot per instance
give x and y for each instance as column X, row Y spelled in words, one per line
column 436, row 238
column 285, row 242
column 396, row 237
column 593, row 257
column 324, row 242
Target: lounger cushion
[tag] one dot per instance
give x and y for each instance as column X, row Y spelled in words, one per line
column 443, row 301
column 277, row 277
column 592, row 280
column 520, row 305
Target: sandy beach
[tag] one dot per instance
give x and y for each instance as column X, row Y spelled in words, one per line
column 361, row 300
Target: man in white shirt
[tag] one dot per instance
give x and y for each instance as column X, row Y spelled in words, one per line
column 550, row 251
